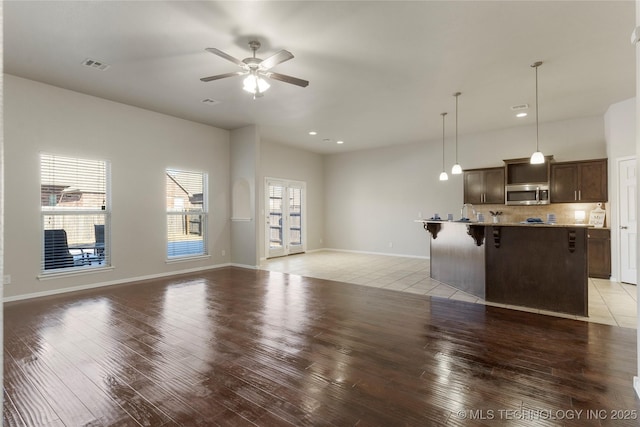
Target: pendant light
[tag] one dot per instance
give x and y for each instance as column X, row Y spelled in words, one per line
column 456, row 169
column 443, row 175
column 537, row 158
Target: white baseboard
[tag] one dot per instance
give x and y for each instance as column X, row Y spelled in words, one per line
column 250, row 267
column 636, row 385
column 374, row 253
column 310, row 251
column 114, row 282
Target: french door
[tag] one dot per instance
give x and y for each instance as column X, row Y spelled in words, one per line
column 285, row 222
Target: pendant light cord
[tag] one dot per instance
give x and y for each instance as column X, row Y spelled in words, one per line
column 456, row 129
column 537, row 126
column 536, row 65
column 443, row 114
column 457, row 94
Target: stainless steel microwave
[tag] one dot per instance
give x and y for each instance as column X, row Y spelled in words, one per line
column 527, row 194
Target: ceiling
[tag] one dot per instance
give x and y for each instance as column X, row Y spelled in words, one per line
column 380, row 72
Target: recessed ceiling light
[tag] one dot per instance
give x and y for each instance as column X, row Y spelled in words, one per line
column 313, row 132
column 521, row 115
column 339, row 142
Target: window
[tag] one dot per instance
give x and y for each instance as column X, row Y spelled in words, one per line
column 186, row 213
column 75, row 211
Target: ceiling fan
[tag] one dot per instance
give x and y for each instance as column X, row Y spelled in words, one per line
column 256, row 68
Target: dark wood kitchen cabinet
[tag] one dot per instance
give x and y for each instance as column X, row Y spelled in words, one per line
column 584, row 181
column 484, row 186
column 599, row 243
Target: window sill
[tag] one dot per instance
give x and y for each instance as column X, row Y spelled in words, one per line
column 79, row 272
column 186, row 259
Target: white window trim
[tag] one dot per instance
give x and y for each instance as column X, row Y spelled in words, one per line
column 62, row 211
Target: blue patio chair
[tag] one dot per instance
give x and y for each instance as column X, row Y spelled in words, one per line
column 98, row 230
column 56, row 250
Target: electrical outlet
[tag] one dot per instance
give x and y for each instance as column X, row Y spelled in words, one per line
column 419, row 214
column 6, row 280
column 390, row 244
column 224, row 252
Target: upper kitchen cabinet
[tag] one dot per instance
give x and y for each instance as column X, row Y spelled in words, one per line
column 484, row 186
column 584, row 181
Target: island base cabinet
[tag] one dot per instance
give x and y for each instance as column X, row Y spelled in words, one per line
column 600, row 253
column 456, row 260
column 543, row 268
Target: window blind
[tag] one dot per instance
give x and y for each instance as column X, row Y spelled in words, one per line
column 186, row 203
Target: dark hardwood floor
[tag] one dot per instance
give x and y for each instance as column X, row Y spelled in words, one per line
column 235, row 347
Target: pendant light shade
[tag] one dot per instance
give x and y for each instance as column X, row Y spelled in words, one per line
column 443, row 174
column 456, row 169
column 537, row 158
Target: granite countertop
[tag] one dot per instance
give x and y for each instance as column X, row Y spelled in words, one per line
column 507, row 224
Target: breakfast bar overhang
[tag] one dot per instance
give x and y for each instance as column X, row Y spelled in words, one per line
column 541, row 266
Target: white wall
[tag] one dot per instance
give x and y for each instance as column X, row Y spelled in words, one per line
column 280, row 161
column 620, row 129
column 372, row 197
column 140, row 145
column 620, row 134
column 245, row 155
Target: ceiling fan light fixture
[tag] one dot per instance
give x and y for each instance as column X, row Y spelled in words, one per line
column 256, row 69
column 250, row 84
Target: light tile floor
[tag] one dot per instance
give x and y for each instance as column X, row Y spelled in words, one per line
column 611, row 303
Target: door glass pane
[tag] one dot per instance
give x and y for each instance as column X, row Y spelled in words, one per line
column 275, row 216
column 295, row 216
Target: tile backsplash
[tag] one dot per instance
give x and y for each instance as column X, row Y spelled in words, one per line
column 565, row 212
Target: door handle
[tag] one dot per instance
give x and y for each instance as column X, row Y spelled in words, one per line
column 623, row 227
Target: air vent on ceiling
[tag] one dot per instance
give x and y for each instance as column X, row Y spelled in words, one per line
column 98, row 65
column 520, row 107
column 210, row 101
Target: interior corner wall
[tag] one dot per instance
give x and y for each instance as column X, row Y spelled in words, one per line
column 140, row 145
column 636, row 380
column 245, row 155
column 372, row 197
column 288, row 163
column 620, row 130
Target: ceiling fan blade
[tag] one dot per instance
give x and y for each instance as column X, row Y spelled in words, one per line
column 287, row 79
column 277, row 58
column 226, row 56
column 222, row 76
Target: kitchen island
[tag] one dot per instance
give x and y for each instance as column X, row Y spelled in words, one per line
column 541, row 266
